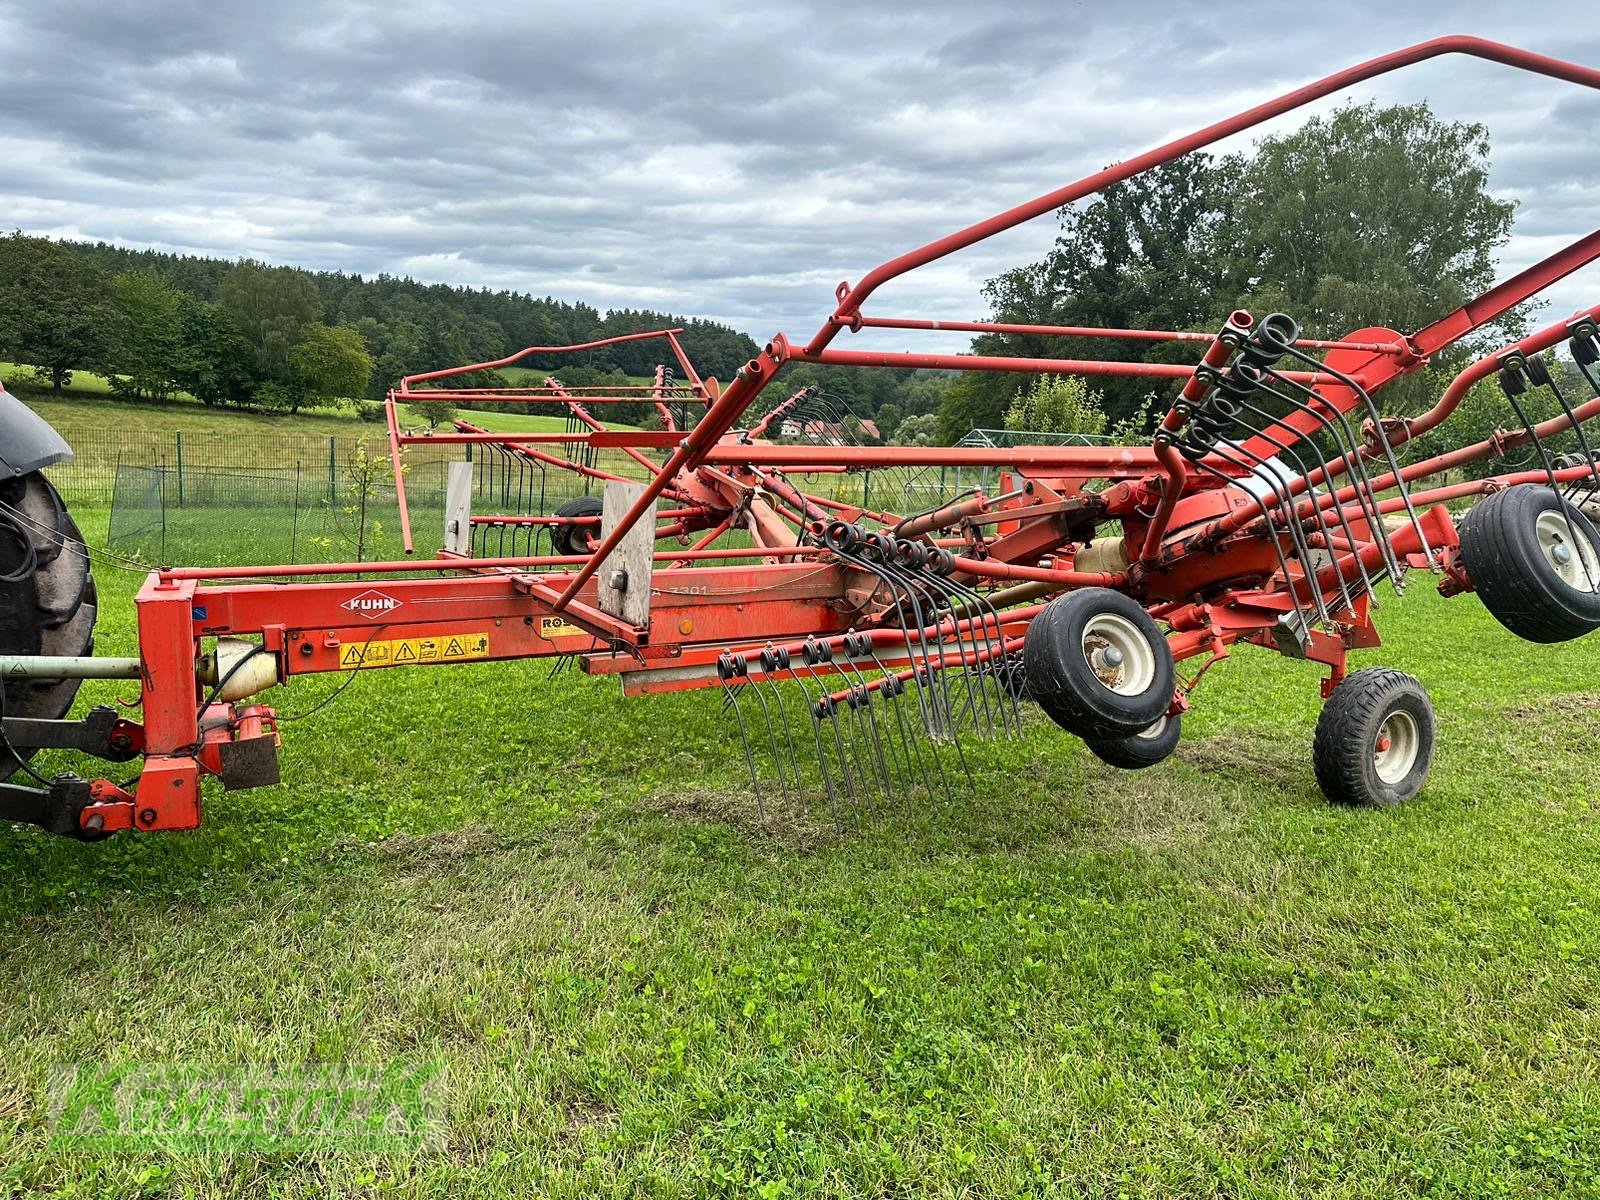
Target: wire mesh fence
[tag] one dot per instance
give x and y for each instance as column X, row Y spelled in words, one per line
column 228, row 500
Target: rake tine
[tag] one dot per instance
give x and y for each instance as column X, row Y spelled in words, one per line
column 1280, row 491
column 820, row 653
column 1513, row 381
column 891, row 687
column 820, row 714
column 1310, row 491
column 931, row 586
column 729, row 668
column 1006, row 703
column 1383, row 442
column 773, row 661
column 865, row 691
column 1366, row 500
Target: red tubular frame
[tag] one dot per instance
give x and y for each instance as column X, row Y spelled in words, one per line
column 1198, row 555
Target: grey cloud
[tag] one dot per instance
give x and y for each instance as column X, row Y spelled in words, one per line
column 730, row 160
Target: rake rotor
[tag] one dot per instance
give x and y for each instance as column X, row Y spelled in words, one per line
column 855, row 646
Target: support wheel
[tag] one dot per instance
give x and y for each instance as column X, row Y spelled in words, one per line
column 574, row 539
column 1098, row 665
column 1534, row 560
column 1144, row 749
column 1374, row 741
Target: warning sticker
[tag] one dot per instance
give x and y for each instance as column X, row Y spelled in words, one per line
column 407, row 652
column 554, row 627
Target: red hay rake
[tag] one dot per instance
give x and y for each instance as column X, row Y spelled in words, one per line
column 854, row 647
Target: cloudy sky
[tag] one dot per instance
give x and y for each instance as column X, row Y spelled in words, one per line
column 733, row 161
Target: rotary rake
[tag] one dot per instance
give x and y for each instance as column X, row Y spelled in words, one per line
column 854, row 647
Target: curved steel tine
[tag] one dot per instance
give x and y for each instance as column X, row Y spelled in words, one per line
column 1329, row 486
column 932, row 587
column 1266, row 514
column 915, row 766
column 1350, row 456
column 1005, row 702
column 1577, row 428
column 858, row 699
column 922, row 677
column 1544, row 458
column 770, row 667
column 866, row 693
column 927, row 697
column 1311, row 493
column 772, row 737
column 1383, row 441
column 1292, row 526
column 964, row 627
column 821, row 711
column 861, row 701
column 728, row 666
column 917, row 584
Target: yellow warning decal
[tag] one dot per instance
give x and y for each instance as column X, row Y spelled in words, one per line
column 407, row 652
column 554, row 627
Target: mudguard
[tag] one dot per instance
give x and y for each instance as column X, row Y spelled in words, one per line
column 26, row 440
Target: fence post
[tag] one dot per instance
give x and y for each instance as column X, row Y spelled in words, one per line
column 180, row 468
column 332, row 456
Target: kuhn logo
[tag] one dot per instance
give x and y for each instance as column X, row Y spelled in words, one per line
column 371, row 604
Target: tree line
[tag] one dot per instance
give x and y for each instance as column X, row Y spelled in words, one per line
column 248, row 334
column 1368, row 216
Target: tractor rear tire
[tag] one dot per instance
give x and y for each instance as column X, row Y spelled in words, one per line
column 1534, row 560
column 1143, row 749
column 572, row 539
column 1098, row 665
column 1374, row 740
column 47, row 600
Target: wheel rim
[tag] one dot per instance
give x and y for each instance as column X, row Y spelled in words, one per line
column 1118, row 654
column 1155, row 730
column 1398, row 746
column 1569, row 552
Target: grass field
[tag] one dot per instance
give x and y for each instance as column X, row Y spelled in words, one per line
column 1199, row 980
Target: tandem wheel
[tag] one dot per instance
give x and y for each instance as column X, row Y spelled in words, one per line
column 1098, row 665
column 571, row 539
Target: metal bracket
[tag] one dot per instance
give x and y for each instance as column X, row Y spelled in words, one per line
column 458, row 508
column 624, row 578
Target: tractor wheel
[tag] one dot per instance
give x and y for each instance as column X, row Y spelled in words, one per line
column 1534, row 560
column 1098, row 665
column 1144, row 749
column 47, row 599
column 1374, row 740
column 573, row 539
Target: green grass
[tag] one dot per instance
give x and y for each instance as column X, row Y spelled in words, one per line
column 1198, row 980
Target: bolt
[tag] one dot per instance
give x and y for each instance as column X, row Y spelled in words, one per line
column 619, row 581
column 95, row 823
column 147, row 816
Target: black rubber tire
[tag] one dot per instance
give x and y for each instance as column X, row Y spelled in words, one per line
column 572, row 539
column 1500, row 548
column 1067, row 688
column 51, row 607
column 1143, row 749
column 1344, row 752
